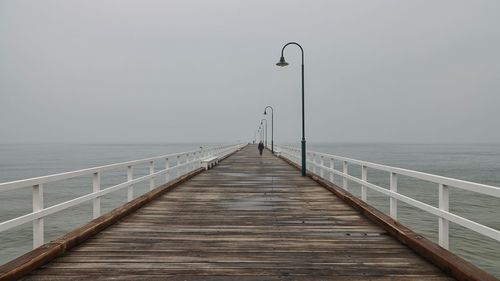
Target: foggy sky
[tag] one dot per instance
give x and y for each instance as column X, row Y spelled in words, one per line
column 192, row 71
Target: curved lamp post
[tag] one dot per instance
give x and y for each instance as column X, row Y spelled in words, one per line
column 272, row 126
column 265, row 131
column 282, row 63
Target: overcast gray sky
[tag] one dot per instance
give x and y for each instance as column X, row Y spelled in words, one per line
column 173, row 71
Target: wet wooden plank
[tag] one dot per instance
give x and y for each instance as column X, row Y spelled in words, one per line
column 249, row 218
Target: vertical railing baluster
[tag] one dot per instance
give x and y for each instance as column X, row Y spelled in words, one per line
column 96, row 186
column 193, row 161
column 364, row 174
column 345, row 170
column 332, row 167
column 312, row 167
column 322, row 167
column 178, row 168
column 444, row 204
column 316, row 163
column 393, row 205
column 151, row 171
column 307, row 160
column 130, row 190
column 309, row 164
column 38, row 228
column 167, row 171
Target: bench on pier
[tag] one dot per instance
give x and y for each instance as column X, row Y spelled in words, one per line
column 209, row 162
column 277, row 152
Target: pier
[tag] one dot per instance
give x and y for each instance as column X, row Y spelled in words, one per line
column 248, row 218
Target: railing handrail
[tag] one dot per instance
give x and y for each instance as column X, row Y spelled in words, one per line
column 442, row 211
column 462, row 184
column 12, row 185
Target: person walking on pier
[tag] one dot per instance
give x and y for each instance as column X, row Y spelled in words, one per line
column 261, row 147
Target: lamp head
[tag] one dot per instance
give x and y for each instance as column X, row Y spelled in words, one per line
column 282, row 62
column 265, row 113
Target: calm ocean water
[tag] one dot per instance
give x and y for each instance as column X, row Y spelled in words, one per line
column 478, row 163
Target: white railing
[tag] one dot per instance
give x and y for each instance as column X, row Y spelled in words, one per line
column 322, row 165
column 176, row 165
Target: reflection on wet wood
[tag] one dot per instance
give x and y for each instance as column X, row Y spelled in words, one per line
column 250, row 218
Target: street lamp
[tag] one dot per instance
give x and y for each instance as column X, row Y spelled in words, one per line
column 265, row 130
column 282, row 63
column 272, row 126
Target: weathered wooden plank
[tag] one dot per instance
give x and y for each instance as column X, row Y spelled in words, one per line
column 199, row 276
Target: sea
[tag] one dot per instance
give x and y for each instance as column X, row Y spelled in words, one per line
column 472, row 162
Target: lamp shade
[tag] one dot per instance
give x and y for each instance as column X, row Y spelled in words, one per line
column 282, row 62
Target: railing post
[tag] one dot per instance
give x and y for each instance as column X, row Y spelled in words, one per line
column 309, row 163
column 345, row 171
column 186, row 169
column 313, row 162
column 38, row 229
column 130, row 190
column 193, row 161
column 151, row 171
column 332, row 167
column 167, row 172
column 316, row 164
column 178, row 168
column 307, row 160
column 393, row 205
column 96, row 186
column 364, row 174
column 444, row 225
column 322, row 170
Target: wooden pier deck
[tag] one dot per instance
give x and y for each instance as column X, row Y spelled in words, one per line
column 250, row 218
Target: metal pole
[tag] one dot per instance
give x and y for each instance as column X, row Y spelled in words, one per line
column 303, row 125
column 272, row 126
column 265, row 138
column 265, row 134
column 282, row 60
column 272, row 132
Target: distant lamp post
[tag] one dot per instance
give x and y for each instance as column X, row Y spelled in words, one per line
column 265, row 131
column 272, row 126
column 282, row 63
